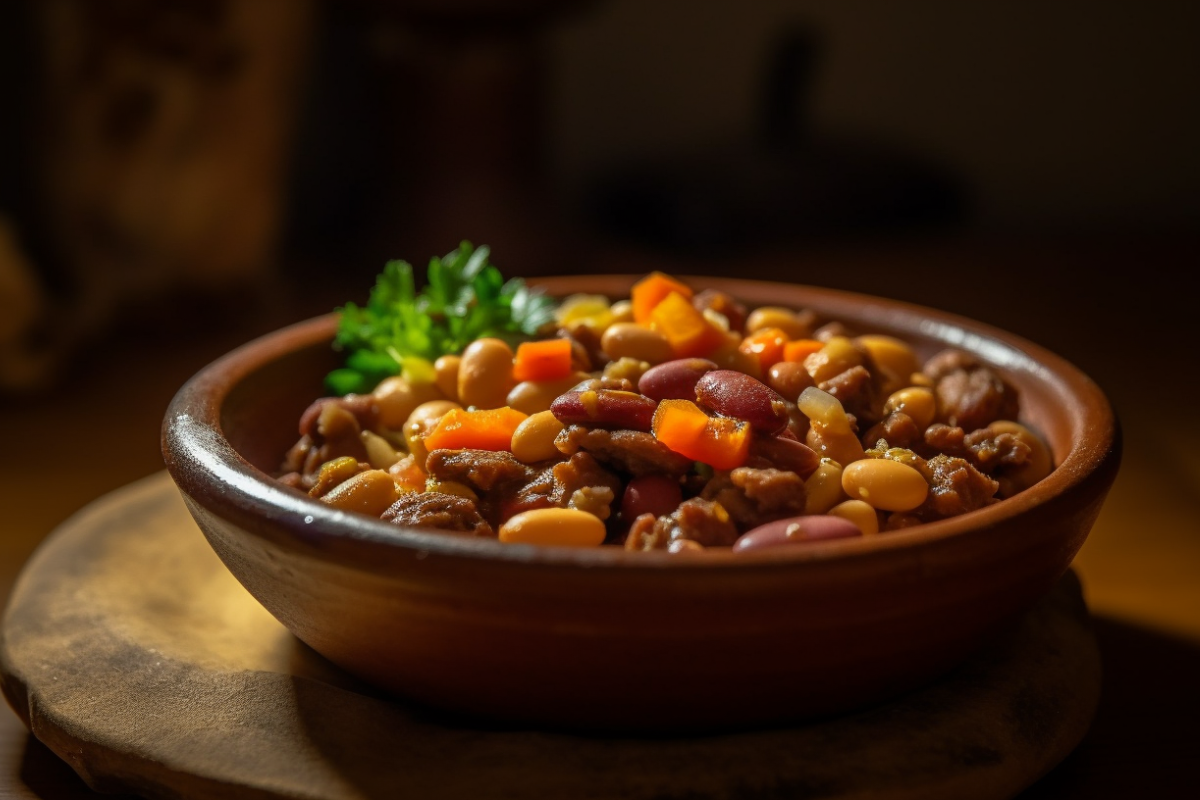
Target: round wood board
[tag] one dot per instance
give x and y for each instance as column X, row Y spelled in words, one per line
column 132, row 653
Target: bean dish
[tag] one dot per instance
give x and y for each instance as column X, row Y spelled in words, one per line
column 674, row 419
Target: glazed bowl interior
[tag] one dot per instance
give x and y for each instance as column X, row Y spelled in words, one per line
column 798, row 631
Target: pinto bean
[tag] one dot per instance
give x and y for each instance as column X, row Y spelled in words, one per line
column 607, row 408
column 735, row 394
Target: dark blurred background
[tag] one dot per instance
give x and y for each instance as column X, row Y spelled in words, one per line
column 157, row 158
column 176, row 177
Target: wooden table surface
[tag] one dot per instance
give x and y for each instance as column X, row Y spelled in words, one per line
column 1106, row 305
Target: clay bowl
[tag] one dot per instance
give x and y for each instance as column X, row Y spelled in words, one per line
column 604, row 640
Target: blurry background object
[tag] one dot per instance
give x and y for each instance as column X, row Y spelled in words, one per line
column 155, row 138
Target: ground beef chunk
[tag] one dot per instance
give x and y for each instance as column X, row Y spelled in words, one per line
column 331, row 428
column 482, row 470
column 955, row 487
column 991, row 451
column 753, row 497
column 579, row 482
column 698, row 520
column 447, row 512
column 969, row 394
column 897, row 428
column 633, row 452
column 987, row 450
column 858, row 393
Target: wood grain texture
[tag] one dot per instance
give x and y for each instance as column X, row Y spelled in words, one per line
column 139, row 660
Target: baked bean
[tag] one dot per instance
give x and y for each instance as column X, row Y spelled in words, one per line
column 796, row 530
column 823, row 488
column 730, row 356
column 421, row 421
column 456, row 488
column 446, row 375
column 895, row 358
column 674, row 380
column 650, row 494
column 630, row 340
column 885, row 484
column 396, row 397
column 370, row 492
column 838, row 355
column 917, row 402
column 776, row 317
column 533, row 440
column 530, row 397
column 789, row 378
column 605, row 408
column 553, row 526
column 860, row 513
column 380, row 452
column 735, row 394
column 485, row 374
column 830, row 433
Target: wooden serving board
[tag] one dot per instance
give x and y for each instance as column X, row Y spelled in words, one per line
column 136, row 657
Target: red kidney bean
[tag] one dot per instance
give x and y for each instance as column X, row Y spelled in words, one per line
column 786, row 453
column 796, row 530
column 735, row 394
column 650, row 494
column 674, row 380
column 607, row 408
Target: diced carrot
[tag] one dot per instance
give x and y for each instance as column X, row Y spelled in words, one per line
column 485, row 429
column 651, row 290
column 720, row 442
column 545, row 360
column 686, row 329
column 768, row 345
column 801, row 349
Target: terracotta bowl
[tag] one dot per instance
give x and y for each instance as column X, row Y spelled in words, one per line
column 600, row 639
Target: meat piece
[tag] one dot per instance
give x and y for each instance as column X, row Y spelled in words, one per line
column 633, row 452
column 579, row 482
column 969, row 394
column 446, row 512
column 859, row 393
column 955, row 487
column 753, row 497
column 991, row 451
column 582, row 471
column 722, row 303
column 698, row 520
column 987, row 450
column 482, row 470
column 897, row 429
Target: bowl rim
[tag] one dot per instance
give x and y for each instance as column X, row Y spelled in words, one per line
column 197, row 453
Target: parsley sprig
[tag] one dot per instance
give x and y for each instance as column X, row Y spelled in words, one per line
column 465, row 298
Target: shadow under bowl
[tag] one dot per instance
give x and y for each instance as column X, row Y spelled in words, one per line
column 604, row 640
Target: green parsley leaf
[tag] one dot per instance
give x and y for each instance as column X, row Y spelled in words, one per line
column 465, row 298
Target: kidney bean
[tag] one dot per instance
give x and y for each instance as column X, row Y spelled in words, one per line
column 734, row 394
column 786, row 453
column 675, row 380
column 608, row 408
column 796, row 530
column 650, row 494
